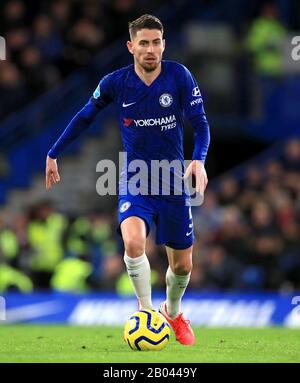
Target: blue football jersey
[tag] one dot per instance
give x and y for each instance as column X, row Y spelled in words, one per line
column 151, row 120
column 151, row 123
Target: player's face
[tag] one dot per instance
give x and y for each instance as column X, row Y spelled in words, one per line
column 147, row 47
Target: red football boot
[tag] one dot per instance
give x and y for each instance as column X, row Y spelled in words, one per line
column 181, row 327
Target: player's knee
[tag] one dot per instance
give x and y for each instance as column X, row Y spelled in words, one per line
column 182, row 269
column 134, row 246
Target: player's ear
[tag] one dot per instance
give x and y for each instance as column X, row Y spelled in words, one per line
column 130, row 46
column 164, row 44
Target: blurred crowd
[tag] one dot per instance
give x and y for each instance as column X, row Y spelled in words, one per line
column 48, row 40
column 247, row 238
column 45, row 249
column 250, row 228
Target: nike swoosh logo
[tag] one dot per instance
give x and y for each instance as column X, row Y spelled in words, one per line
column 33, row 311
column 189, row 233
column 125, row 105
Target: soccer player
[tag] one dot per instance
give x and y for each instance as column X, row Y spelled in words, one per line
column 152, row 96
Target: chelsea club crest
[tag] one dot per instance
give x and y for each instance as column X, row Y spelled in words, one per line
column 165, row 100
column 125, row 206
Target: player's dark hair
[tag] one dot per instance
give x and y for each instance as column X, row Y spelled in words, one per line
column 145, row 22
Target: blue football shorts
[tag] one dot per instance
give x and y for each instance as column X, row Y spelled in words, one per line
column 171, row 216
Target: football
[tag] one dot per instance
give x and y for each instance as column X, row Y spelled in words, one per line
column 147, row 330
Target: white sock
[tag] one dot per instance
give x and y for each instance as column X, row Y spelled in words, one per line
column 139, row 273
column 176, row 286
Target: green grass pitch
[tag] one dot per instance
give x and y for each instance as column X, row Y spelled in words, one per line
column 30, row 343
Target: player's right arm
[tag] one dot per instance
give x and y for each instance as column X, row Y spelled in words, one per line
column 102, row 96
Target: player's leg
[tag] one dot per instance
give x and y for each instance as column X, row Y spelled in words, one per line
column 134, row 235
column 177, row 278
column 175, row 230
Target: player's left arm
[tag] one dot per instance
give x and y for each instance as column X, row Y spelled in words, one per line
column 194, row 110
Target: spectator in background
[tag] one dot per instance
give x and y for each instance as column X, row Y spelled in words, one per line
column 233, row 234
column 70, row 275
column 19, row 226
column 46, row 39
column 12, row 88
column 45, row 231
column 11, row 275
column 265, row 41
column 112, row 269
column 39, row 76
column 291, row 156
column 13, row 15
column 221, row 270
column 210, row 215
column 92, row 10
column 60, row 12
column 253, row 179
column 84, row 40
column 228, row 191
column 262, row 219
column 17, row 39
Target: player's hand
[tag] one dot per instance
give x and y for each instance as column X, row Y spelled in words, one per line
column 52, row 175
column 197, row 168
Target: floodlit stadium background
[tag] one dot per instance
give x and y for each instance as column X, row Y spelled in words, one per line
column 60, row 257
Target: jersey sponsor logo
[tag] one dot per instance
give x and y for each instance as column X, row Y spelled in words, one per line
column 97, row 92
column 165, row 100
column 165, row 123
column 197, row 101
column 126, row 105
column 196, row 92
column 127, row 121
column 156, row 121
column 125, row 206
